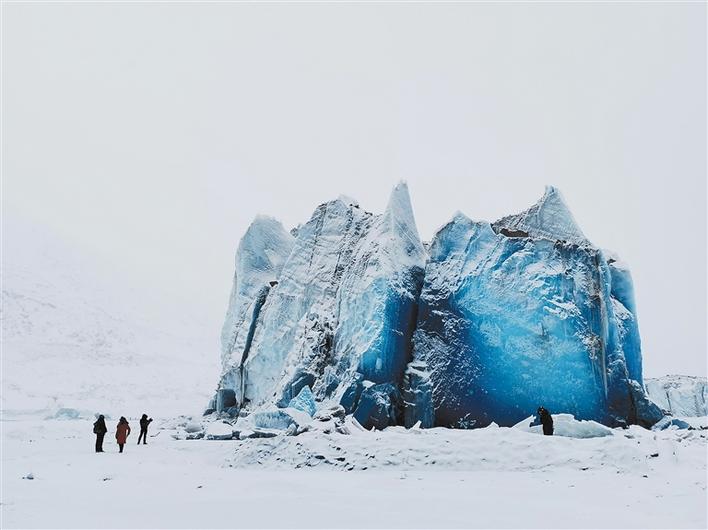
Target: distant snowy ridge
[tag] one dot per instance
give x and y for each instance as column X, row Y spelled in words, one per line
column 486, row 323
column 76, row 339
column 681, row 395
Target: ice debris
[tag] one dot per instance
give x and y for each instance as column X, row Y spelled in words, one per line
column 219, row 430
column 304, row 401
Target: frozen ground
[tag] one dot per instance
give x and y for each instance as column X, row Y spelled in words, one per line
column 436, row 478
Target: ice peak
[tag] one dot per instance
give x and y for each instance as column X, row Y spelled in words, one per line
column 264, row 247
column 349, row 201
column 548, row 218
column 401, row 220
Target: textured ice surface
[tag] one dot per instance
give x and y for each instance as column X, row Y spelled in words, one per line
column 493, row 321
column 304, row 401
column 344, row 304
column 279, row 419
column 506, row 325
column 680, row 395
column 520, row 314
column 549, row 218
column 259, row 259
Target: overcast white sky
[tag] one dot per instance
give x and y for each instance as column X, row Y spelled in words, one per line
column 152, row 134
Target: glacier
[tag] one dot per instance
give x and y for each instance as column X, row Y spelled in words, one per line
column 680, row 395
column 328, row 306
column 483, row 324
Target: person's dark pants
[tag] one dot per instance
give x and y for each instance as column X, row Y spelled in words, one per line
column 548, row 430
column 120, row 446
column 143, row 434
column 99, row 442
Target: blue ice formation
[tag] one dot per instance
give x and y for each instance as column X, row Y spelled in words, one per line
column 335, row 304
column 304, row 401
column 487, row 324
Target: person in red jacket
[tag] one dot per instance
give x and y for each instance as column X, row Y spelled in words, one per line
column 122, row 432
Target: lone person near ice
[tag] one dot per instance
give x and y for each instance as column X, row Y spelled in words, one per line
column 122, row 432
column 144, row 422
column 100, row 430
column 546, row 421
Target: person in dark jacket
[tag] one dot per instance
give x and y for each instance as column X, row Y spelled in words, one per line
column 100, row 430
column 144, row 422
column 122, row 432
column 546, row 421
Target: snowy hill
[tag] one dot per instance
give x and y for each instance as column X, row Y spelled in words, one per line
column 80, row 336
column 681, row 395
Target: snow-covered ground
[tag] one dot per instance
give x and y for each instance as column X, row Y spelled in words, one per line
column 76, row 342
column 494, row 477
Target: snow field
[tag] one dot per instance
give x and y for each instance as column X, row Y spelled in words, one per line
column 493, row 477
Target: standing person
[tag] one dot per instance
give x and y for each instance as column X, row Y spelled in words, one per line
column 100, row 430
column 144, row 422
column 122, row 432
column 546, row 421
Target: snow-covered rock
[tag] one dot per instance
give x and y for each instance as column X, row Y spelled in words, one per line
column 681, row 395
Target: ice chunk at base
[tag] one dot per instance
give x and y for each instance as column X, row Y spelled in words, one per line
column 278, row 419
column 219, row 430
column 668, row 422
column 304, row 401
column 379, row 407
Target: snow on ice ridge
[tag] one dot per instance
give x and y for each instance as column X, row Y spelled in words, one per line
column 498, row 319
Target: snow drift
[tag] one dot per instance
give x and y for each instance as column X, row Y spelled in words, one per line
column 490, row 322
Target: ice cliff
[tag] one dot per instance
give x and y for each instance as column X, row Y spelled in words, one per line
column 332, row 307
column 490, row 322
column 681, row 395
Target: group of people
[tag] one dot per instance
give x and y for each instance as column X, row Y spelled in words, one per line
column 123, row 428
column 122, row 431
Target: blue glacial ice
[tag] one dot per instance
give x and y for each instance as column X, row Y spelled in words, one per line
column 341, row 308
column 519, row 314
column 487, row 324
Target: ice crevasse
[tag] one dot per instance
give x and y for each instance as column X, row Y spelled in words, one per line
column 484, row 324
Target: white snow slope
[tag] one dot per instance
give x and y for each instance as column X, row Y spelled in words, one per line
column 75, row 336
